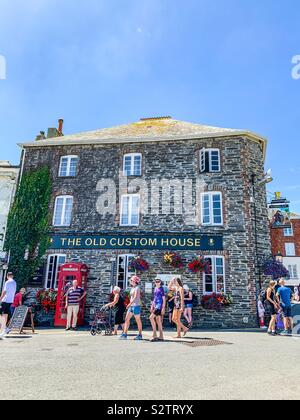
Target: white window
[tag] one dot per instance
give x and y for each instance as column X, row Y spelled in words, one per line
column 288, row 231
column 68, row 166
column 211, row 209
column 130, row 210
column 210, row 160
column 290, row 250
column 123, row 270
column 63, row 211
column 132, row 165
column 214, row 281
column 52, row 273
column 293, row 270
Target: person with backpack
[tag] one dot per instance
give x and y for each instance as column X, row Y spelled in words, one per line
column 188, row 305
column 273, row 305
column 285, row 297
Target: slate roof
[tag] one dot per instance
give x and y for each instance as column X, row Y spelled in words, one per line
column 147, row 129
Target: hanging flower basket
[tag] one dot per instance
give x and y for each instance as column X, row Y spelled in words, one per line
column 275, row 269
column 174, row 260
column 200, row 265
column 216, row 301
column 47, row 300
column 139, row 264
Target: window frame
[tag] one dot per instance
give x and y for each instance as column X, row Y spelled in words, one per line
column 211, row 222
column 65, row 197
column 293, row 269
column 130, row 214
column 69, row 157
column 132, row 156
column 203, row 152
column 214, row 275
column 290, row 229
column 55, row 279
column 287, row 245
column 127, row 273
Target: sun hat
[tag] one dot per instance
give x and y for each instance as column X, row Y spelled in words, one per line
column 135, row 279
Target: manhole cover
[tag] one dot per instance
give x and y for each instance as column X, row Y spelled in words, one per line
column 206, row 343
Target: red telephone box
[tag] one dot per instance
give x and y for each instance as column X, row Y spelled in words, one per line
column 68, row 273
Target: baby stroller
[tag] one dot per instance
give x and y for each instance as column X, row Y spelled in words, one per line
column 102, row 322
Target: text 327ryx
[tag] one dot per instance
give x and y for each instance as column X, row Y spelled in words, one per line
column 163, row 409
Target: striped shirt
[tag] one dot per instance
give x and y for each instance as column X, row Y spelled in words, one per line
column 74, row 295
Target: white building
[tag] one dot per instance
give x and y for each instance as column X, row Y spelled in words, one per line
column 8, row 182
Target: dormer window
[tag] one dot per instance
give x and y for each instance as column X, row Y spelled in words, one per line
column 68, row 166
column 210, row 160
column 132, row 165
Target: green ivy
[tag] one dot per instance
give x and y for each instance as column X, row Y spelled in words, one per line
column 27, row 236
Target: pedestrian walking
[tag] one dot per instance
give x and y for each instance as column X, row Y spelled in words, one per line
column 171, row 299
column 6, row 300
column 178, row 306
column 273, row 304
column 119, row 305
column 18, row 301
column 74, row 297
column 285, row 295
column 188, row 305
column 134, row 309
column 158, row 308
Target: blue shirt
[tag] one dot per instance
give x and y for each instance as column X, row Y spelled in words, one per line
column 285, row 294
column 159, row 295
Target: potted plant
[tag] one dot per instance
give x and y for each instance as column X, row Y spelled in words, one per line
column 216, row 301
column 174, row 260
column 139, row 264
column 200, row 265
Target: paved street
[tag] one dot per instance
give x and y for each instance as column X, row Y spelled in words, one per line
column 55, row 365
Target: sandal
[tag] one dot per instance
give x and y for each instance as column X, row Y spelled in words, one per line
column 154, row 339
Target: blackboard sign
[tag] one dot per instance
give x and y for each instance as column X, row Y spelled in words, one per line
column 19, row 318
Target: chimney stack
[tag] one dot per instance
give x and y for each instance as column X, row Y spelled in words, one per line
column 41, row 136
column 60, row 126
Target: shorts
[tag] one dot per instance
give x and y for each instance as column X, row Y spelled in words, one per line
column 189, row 305
column 5, row 308
column 287, row 311
column 135, row 310
column 157, row 312
column 271, row 309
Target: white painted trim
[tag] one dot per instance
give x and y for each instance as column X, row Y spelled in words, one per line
column 132, row 156
column 214, row 274
column 131, row 196
column 211, row 194
column 69, row 157
column 65, row 197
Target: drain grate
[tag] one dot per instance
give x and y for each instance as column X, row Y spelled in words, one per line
column 206, row 342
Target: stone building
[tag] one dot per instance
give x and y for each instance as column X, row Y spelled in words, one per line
column 154, row 186
column 8, row 181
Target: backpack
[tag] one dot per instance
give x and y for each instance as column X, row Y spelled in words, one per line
column 264, row 296
column 195, row 301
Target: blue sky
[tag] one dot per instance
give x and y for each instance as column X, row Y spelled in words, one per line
column 99, row 63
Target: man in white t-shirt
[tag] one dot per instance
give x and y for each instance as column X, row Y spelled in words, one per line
column 6, row 300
